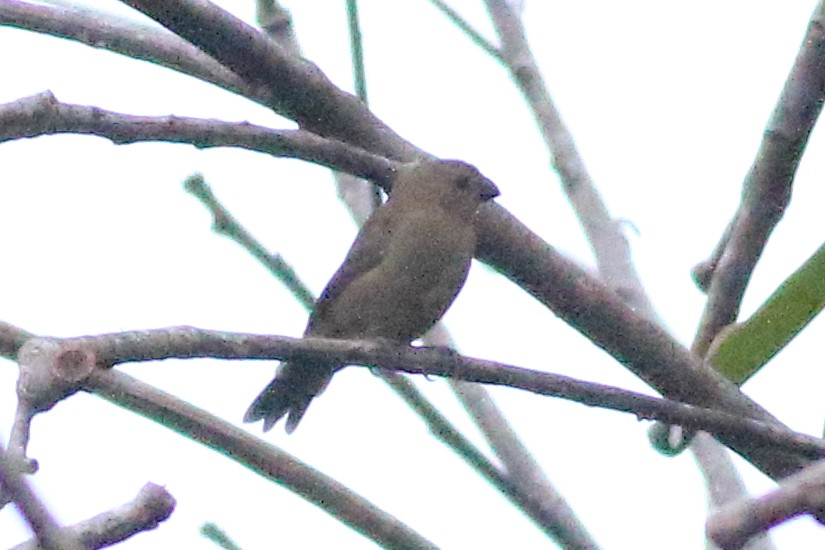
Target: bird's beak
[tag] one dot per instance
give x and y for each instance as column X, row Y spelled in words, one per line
column 488, row 190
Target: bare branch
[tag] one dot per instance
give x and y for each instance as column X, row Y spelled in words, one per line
column 188, row 342
column 467, row 29
column 45, row 528
column 11, row 339
column 260, row 457
column 106, row 31
column 152, row 505
column 547, row 504
column 300, row 91
column 53, row 368
column 224, row 223
column 723, row 482
column 766, row 191
column 43, row 114
column 734, row 525
column 605, row 235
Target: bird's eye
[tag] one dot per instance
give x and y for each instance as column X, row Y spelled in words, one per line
column 463, row 183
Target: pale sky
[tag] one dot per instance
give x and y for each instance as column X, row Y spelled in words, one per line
column 667, row 103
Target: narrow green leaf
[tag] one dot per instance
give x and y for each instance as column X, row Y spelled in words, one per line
column 742, row 349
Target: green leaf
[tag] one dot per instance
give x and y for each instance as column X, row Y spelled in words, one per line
column 740, row 350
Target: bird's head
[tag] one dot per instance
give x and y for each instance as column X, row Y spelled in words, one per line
column 452, row 184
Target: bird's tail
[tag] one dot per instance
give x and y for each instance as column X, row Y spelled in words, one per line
column 290, row 392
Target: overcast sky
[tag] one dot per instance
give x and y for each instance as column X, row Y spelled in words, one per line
column 667, row 102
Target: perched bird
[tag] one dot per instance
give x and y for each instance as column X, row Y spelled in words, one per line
column 403, row 271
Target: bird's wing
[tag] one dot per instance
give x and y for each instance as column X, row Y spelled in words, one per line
column 367, row 252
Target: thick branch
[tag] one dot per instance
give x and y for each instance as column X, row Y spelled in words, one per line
column 300, row 91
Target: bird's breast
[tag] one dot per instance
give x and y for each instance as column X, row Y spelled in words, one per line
column 422, row 270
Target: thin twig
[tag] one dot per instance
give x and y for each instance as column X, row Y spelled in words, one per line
column 360, row 78
column 45, row 528
column 152, row 505
column 224, row 223
column 357, row 48
column 467, row 29
column 552, row 509
column 212, row 532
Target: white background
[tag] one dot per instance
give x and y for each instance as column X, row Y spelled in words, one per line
column 667, row 103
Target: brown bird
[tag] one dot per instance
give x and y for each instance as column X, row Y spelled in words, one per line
column 404, row 269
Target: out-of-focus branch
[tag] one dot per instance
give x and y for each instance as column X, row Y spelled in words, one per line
column 723, row 482
column 257, row 455
column 79, row 358
column 224, row 223
column 605, row 235
column 766, row 191
column 152, row 505
column 357, row 46
column 468, row 30
column 109, row 32
column 548, row 503
column 610, row 247
column 215, row 534
column 733, row 526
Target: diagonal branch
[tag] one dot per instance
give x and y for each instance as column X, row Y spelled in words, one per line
column 152, row 505
column 14, row 488
column 109, row 32
column 43, row 114
column 766, row 191
column 610, row 247
column 260, row 457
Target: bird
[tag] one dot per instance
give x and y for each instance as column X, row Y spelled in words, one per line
column 403, row 271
